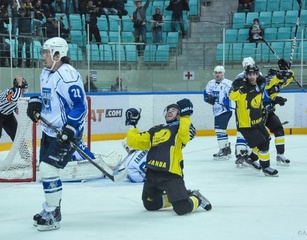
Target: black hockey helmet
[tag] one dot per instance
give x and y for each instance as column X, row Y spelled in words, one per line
column 173, row 105
column 24, row 83
column 251, row 69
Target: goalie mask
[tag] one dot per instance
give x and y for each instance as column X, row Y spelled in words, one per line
column 169, row 113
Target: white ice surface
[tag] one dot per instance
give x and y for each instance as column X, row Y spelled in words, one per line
column 246, row 204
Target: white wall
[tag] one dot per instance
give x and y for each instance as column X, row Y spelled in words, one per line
column 108, row 111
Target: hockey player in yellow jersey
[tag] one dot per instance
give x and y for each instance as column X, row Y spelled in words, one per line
column 164, row 185
column 247, row 92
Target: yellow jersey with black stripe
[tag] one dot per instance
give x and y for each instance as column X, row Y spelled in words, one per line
column 165, row 143
column 249, row 104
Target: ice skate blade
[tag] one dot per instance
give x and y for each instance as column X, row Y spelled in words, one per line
column 43, row 228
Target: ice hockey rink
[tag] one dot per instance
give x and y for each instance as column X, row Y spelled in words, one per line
column 246, row 204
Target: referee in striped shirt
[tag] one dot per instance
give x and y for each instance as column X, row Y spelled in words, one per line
column 8, row 105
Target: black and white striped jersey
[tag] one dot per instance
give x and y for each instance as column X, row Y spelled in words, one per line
column 9, row 100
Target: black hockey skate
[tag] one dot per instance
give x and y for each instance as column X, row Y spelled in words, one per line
column 253, row 164
column 223, row 154
column 281, row 160
column 268, row 171
column 45, row 221
column 205, row 204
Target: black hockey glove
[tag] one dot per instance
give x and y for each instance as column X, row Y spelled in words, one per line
column 192, row 131
column 283, row 64
column 132, row 116
column 210, row 99
column 67, row 134
column 280, row 100
column 238, row 84
column 186, row 107
column 34, row 108
column 284, row 74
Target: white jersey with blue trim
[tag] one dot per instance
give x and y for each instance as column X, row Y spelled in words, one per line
column 135, row 163
column 221, row 92
column 63, row 97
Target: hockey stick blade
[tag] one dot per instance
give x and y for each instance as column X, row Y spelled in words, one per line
column 105, row 169
column 284, row 123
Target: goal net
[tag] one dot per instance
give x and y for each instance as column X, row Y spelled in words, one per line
column 20, row 165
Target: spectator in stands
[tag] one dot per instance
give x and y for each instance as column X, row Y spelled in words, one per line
column 157, row 22
column 109, row 7
column 51, row 29
column 5, row 53
column 15, row 17
column 177, row 7
column 59, row 6
column 246, row 5
column 92, row 13
column 39, row 18
column 121, row 8
column 118, row 86
column 75, row 6
column 93, row 88
column 47, row 5
column 24, row 36
column 139, row 24
column 256, row 32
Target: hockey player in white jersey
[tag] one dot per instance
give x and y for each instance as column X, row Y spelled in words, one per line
column 216, row 93
column 135, row 163
column 62, row 102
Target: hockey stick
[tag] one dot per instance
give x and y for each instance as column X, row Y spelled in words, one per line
column 284, row 123
column 278, row 58
column 295, row 32
column 106, row 170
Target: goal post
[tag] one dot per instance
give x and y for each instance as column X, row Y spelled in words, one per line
column 20, row 164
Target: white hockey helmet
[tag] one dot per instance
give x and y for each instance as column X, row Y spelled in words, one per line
column 219, row 69
column 125, row 146
column 248, row 61
column 56, row 44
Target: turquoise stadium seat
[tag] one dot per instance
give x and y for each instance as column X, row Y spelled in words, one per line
column 131, row 53
column 286, row 5
column 106, row 53
column 78, row 37
column 303, row 18
column 219, row 51
column 172, row 39
column 159, row 4
column 235, row 52
column 238, row 20
column 94, row 54
column 265, row 19
column 299, row 32
column 127, row 37
column 270, row 34
column 278, row 19
column 168, row 22
column 249, row 49
column 194, row 7
column 127, row 24
column 114, row 37
column 250, row 16
column 299, row 50
column 35, row 49
column 102, row 23
column 287, row 51
column 284, row 33
column 118, row 53
column 129, row 6
column 296, row 6
column 242, row 35
column 162, row 54
column 64, row 18
column 150, row 53
column 75, row 53
column 260, row 5
column 273, row 5
column 104, row 36
column 114, row 23
column 76, row 21
column 262, row 52
column 279, row 49
column 290, row 18
column 231, row 35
